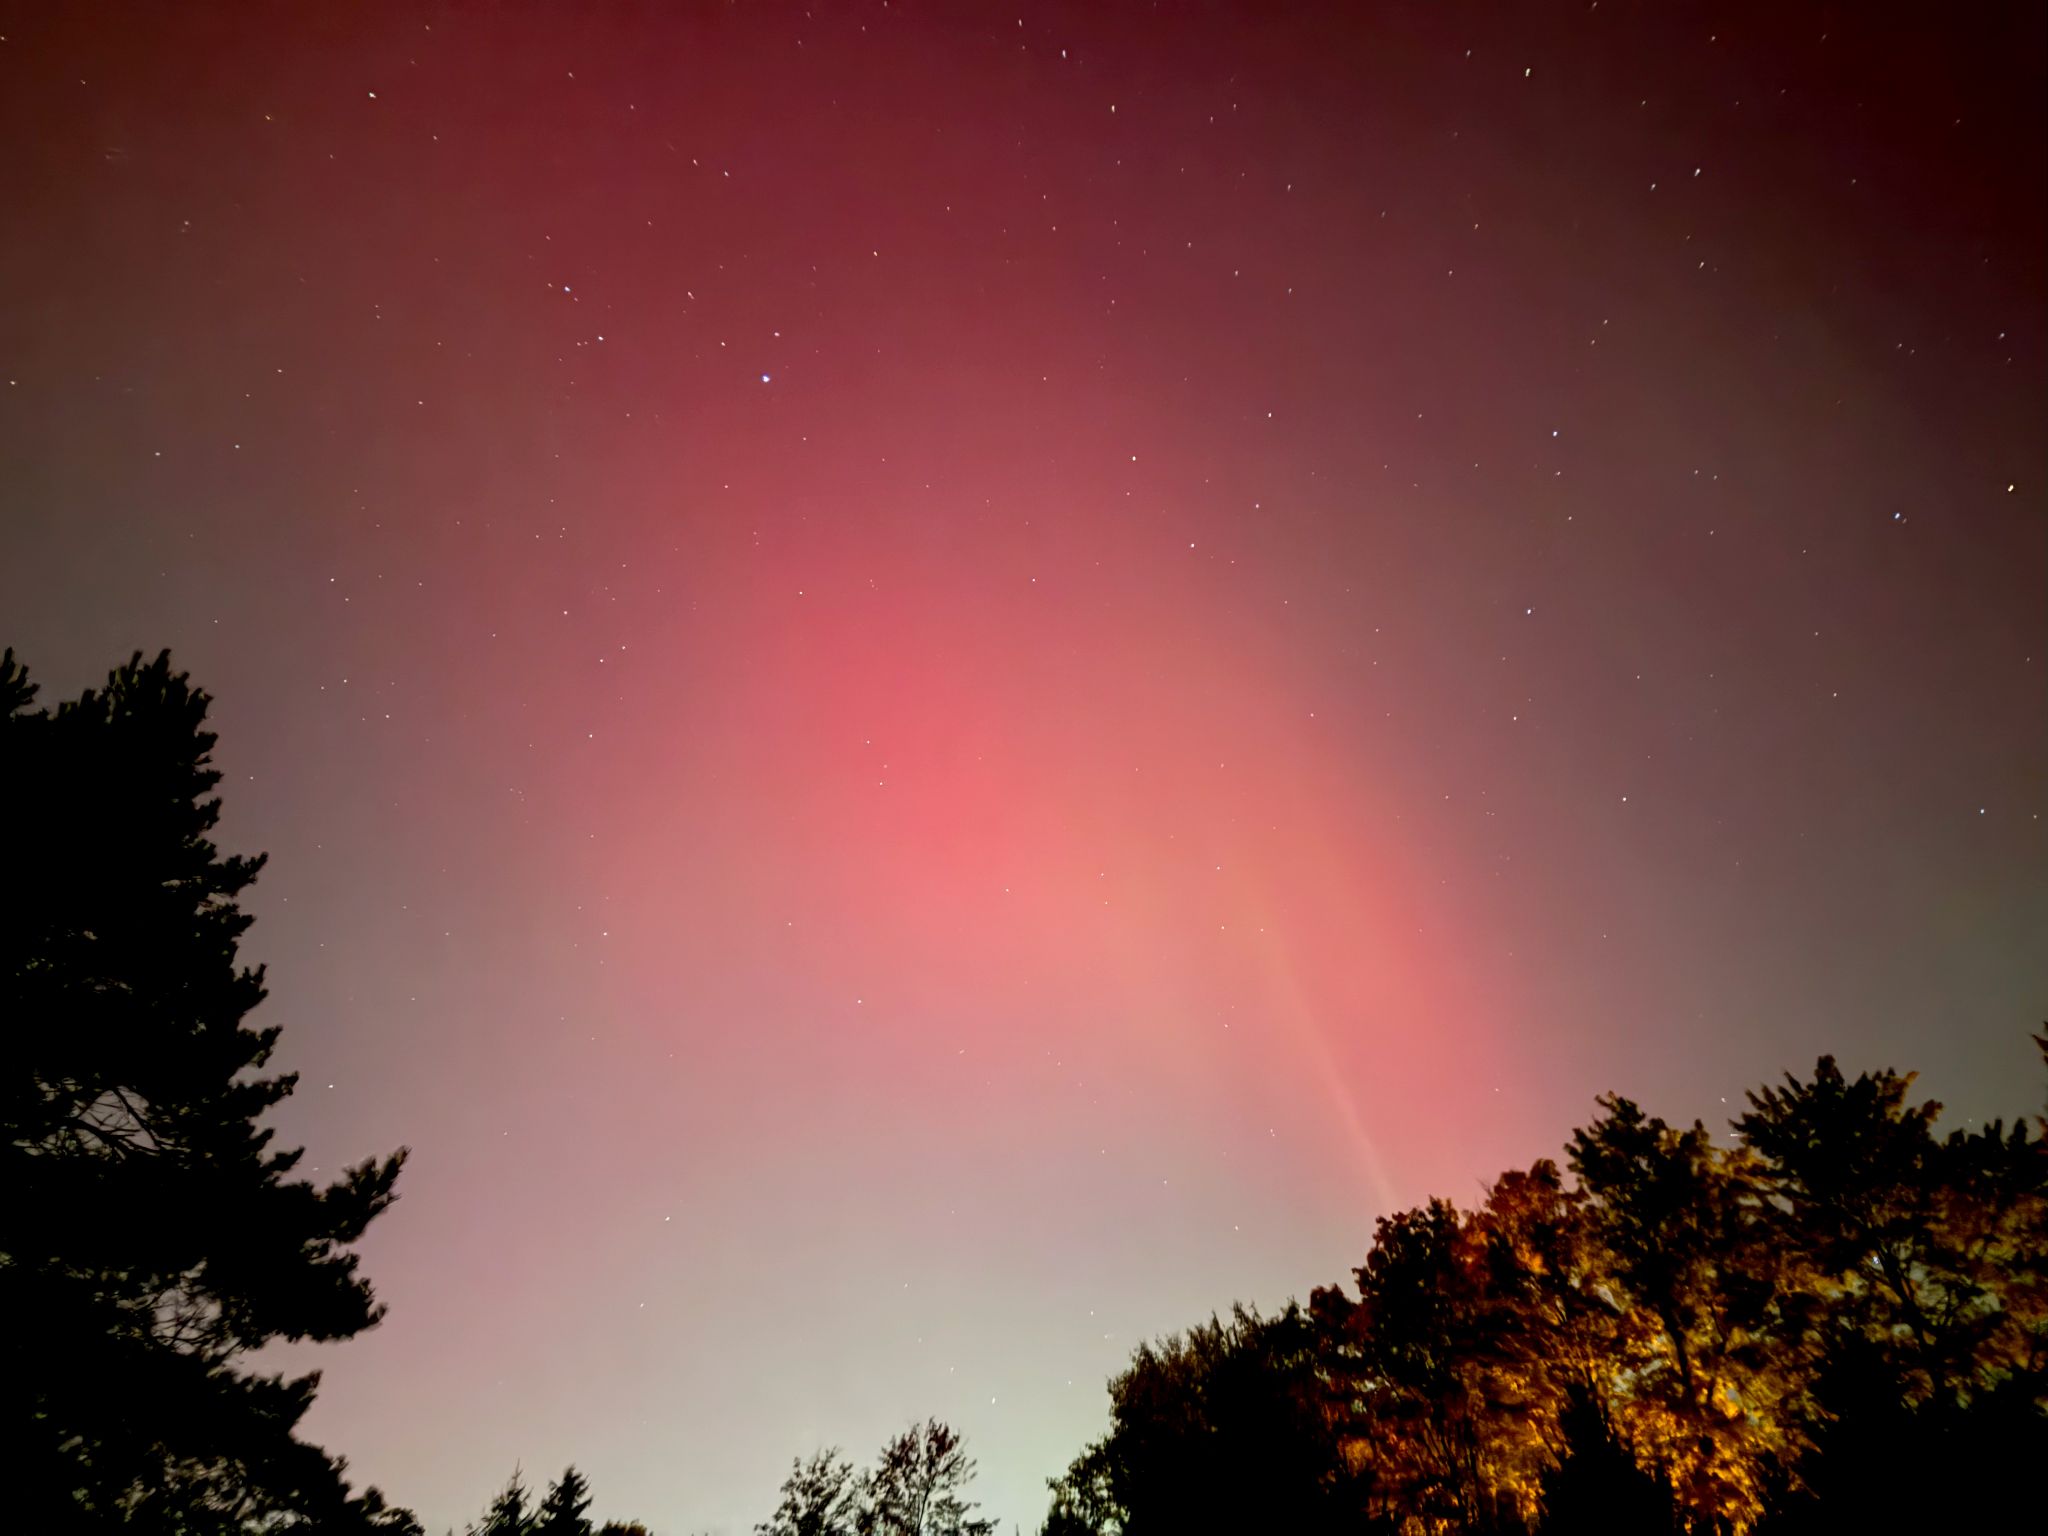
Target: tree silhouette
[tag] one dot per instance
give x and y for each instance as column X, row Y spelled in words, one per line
column 918, row 1487
column 820, row 1497
column 1231, row 1426
column 1596, row 1484
column 510, row 1512
column 150, row 1237
column 566, row 1509
column 1927, row 1323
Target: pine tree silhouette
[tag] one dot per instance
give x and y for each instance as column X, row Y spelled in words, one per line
column 150, row 1236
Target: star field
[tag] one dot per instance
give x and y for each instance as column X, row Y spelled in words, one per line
column 932, row 687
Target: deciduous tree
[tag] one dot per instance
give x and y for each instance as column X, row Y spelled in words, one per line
column 918, row 1487
column 820, row 1497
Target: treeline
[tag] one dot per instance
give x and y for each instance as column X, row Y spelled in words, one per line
column 563, row 1511
column 1837, row 1319
column 1833, row 1318
column 916, row 1487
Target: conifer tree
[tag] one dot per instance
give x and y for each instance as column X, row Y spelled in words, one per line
column 510, row 1513
column 150, row 1235
column 566, row 1509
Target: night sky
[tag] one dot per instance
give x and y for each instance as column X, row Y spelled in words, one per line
column 931, row 687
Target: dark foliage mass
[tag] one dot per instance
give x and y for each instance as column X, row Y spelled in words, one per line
column 1831, row 1318
column 150, row 1236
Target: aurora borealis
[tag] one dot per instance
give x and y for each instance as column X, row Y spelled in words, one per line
column 931, row 687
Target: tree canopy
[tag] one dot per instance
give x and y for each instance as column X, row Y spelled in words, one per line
column 1835, row 1316
column 151, row 1236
